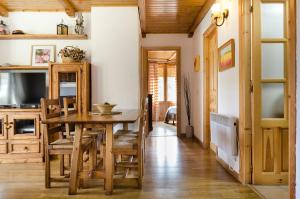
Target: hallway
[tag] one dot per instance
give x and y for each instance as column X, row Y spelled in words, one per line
column 175, row 168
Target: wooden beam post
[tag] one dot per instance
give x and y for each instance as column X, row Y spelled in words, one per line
column 204, row 10
column 142, row 13
column 69, row 8
column 3, row 11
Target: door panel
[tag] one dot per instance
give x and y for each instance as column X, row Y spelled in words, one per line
column 270, row 97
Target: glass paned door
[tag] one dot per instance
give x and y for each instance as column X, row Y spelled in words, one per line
column 270, row 98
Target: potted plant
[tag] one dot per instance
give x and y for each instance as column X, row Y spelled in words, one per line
column 189, row 130
column 71, row 54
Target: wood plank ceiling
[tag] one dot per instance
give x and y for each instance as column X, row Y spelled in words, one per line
column 157, row 16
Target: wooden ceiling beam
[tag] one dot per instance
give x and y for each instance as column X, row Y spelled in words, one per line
column 142, row 13
column 69, row 7
column 204, row 10
column 3, row 11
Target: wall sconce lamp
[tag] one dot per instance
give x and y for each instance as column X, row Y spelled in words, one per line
column 218, row 16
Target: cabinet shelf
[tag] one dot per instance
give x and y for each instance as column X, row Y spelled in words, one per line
column 43, row 36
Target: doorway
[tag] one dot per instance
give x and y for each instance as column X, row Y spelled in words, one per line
column 210, row 81
column 161, row 67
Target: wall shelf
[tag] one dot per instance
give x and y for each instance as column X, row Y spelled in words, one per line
column 44, row 36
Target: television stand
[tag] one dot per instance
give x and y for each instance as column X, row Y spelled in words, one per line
column 21, row 138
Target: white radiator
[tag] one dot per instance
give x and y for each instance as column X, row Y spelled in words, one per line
column 224, row 133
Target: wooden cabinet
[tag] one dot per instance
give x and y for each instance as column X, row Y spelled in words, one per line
column 21, row 137
column 21, row 134
column 71, row 80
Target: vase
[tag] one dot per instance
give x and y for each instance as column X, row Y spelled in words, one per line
column 67, row 59
column 189, row 131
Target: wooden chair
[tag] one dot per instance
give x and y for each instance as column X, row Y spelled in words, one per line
column 132, row 146
column 54, row 142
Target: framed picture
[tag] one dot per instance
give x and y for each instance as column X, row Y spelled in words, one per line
column 197, row 63
column 227, row 55
column 42, row 54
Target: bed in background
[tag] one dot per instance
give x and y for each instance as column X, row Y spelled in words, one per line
column 171, row 115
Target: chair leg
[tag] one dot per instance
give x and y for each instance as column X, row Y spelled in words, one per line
column 61, row 165
column 47, row 171
column 80, row 180
column 93, row 156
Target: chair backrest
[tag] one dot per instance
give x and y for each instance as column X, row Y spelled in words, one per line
column 143, row 121
column 70, row 107
column 50, row 109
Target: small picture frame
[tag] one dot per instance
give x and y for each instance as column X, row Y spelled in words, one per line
column 42, row 54
column 227, row 55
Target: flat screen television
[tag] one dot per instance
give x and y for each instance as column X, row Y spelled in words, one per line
column 23, row 88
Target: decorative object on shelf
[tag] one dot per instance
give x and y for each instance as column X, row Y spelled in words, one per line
column 105, row 108
column 197, row 63
column 227, row 55
column 18, row 32
column 219, row 13
column 5, row 65
column 189, row 130
column 62, row 29
column 79, row 28
column 71, row 54
column 42, row 54
column 3, row 28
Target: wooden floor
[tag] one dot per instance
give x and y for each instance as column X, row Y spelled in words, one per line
column 175, row 168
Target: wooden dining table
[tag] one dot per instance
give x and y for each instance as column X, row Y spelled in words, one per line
column 108, row 121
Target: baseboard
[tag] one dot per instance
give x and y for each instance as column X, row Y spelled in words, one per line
column 256, row 191
column 213, row 147
column 227, row 168
column 199, row 142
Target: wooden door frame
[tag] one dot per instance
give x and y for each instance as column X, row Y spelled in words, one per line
column 245, row 129
column 144, row 78
column 206, row 135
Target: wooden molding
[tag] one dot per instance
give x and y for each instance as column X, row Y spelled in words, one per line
column 142, row 13
column 43, row 36
column 245, row 120
column 292, row 98
column 3, row 11
column 69, row 8
column 200, row 16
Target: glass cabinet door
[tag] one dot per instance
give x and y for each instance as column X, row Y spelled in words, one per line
column 3, row 127
column 67, row 85
column 23, row 126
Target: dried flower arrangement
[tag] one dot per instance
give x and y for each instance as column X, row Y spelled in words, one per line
column 71, row 54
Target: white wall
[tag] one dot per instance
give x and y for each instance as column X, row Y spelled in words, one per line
column 114, row 43
column 175, row 40
column 228, row 81
column 115, row 46
column 18, row 52
column 298, row 108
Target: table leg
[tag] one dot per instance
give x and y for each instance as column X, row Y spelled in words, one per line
column 75, row 161
column 109, row 160
column 125, row 126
